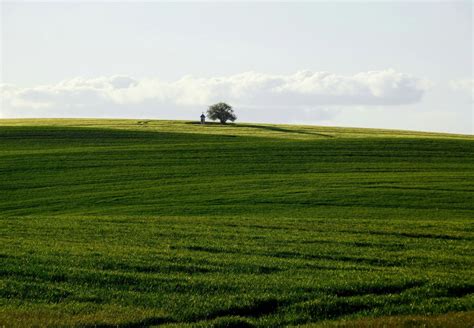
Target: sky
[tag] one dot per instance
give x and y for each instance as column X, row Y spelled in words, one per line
column 378, row 64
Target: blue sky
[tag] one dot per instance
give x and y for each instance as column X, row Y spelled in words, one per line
column 405, row 65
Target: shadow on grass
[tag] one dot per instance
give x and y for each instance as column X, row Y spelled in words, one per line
column 278, row 129
column 146, row 322
column 264, row 127
column 256, row 309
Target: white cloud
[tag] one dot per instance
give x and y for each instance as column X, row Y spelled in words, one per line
column 126, row 96
column 463, row 85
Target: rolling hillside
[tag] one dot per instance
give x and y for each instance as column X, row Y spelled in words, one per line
column 137, row 223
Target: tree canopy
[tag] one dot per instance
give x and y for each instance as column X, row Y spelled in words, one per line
column 222, row 112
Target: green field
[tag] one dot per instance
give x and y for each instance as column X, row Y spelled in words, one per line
column 138, row 223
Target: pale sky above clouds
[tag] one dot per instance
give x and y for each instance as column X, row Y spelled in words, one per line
column 402, row 65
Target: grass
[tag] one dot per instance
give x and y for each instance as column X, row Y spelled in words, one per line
column 139, row 223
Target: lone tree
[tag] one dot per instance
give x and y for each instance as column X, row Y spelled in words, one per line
column 222, row 112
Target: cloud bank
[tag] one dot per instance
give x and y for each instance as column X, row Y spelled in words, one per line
column 124, row 96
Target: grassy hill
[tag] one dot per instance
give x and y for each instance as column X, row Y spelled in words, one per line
column 133, row 223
